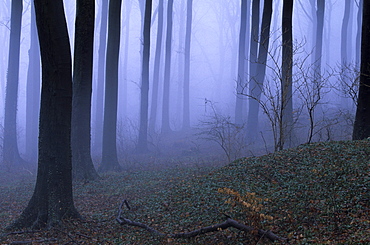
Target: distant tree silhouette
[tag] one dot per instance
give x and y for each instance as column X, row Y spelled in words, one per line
column 109, row 158
column 52, row 199
column 144, row 101
column 100, row 80
column 33, row 91
column 167, row 71
column 361, row 128
column 156, row 70
column 11, row 157
column 258, row 73
column 83, row 167
column 186, row 92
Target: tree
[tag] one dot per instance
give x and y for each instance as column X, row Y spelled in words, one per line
column 156, row 70
column 361, row 129
column 99, row 91
column 319, row 37
column 241, row 63
column 186, row 92
column 52, row 198
column 11, row 155
column 109, row 158
column 83, row 167
column 287, row 75
column 259, row 71
column 33, row 91
column 167, row 72
column 144, row 102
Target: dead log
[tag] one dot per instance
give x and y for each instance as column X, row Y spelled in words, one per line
column 217, row 227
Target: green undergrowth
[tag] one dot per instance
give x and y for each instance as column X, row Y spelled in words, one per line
column 313, row 194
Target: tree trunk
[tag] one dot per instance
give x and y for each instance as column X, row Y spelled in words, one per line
column 319, row 37
column 241, row 64
column 358, row 35
column 256, row 84
column 99, row 93
column 167, row 72
column 286, row 125
column 361, row 129
column 11, row 157
column 156, row 70
column 83, row 167
column 186, row 95
column 142, row 145
column 52, row 199
column 109, row 158
column 33, row 92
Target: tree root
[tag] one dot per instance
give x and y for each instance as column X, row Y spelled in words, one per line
column 217, row 227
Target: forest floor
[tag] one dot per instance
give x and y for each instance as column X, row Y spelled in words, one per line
column 315, row 193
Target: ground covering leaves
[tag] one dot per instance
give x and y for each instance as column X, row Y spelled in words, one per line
column 315, row 193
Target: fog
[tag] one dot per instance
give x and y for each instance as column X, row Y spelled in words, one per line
column 213, row 76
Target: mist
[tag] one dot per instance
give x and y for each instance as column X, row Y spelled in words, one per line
column 213, row 79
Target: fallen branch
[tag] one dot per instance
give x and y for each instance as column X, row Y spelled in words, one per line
column 217, row 227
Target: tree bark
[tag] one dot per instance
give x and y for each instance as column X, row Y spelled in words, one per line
column 142, row 145
column 52, row 199
column 361, row 129
column 109, row 158
column 83, row 167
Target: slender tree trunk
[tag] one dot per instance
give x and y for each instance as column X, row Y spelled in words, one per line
column 344, row 33
column 167, row 72
column 286, row 125
column 256, row 84
column 156, row 70
column 358, row 35
column 110, row 159
column 98, row 119
column 33, row 92
column 83, row 167
column 241, row 64
column 319, row 38
column 11, row 155
column 186, row 96
column 52, row 199
column 361, row 129
column 144, row 102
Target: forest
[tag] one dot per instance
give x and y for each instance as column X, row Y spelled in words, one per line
column 184, row 122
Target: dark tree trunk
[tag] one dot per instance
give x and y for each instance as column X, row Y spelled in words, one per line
column 167, row 72
column 109, row 158
column 33, row 92
column 361, row 128
column 98, row 122
column 52, row 199
column 142, row 145
column 83, row 167
column 156, row 70
column 241, row 63
column 186, row 92
column 11, row 157
column 256, row 84
column 286, row 125
column 319, row 37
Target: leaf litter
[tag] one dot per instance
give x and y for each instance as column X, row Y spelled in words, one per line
column 315, row 193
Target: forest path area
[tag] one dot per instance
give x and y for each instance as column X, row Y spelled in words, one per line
column 315, row 193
